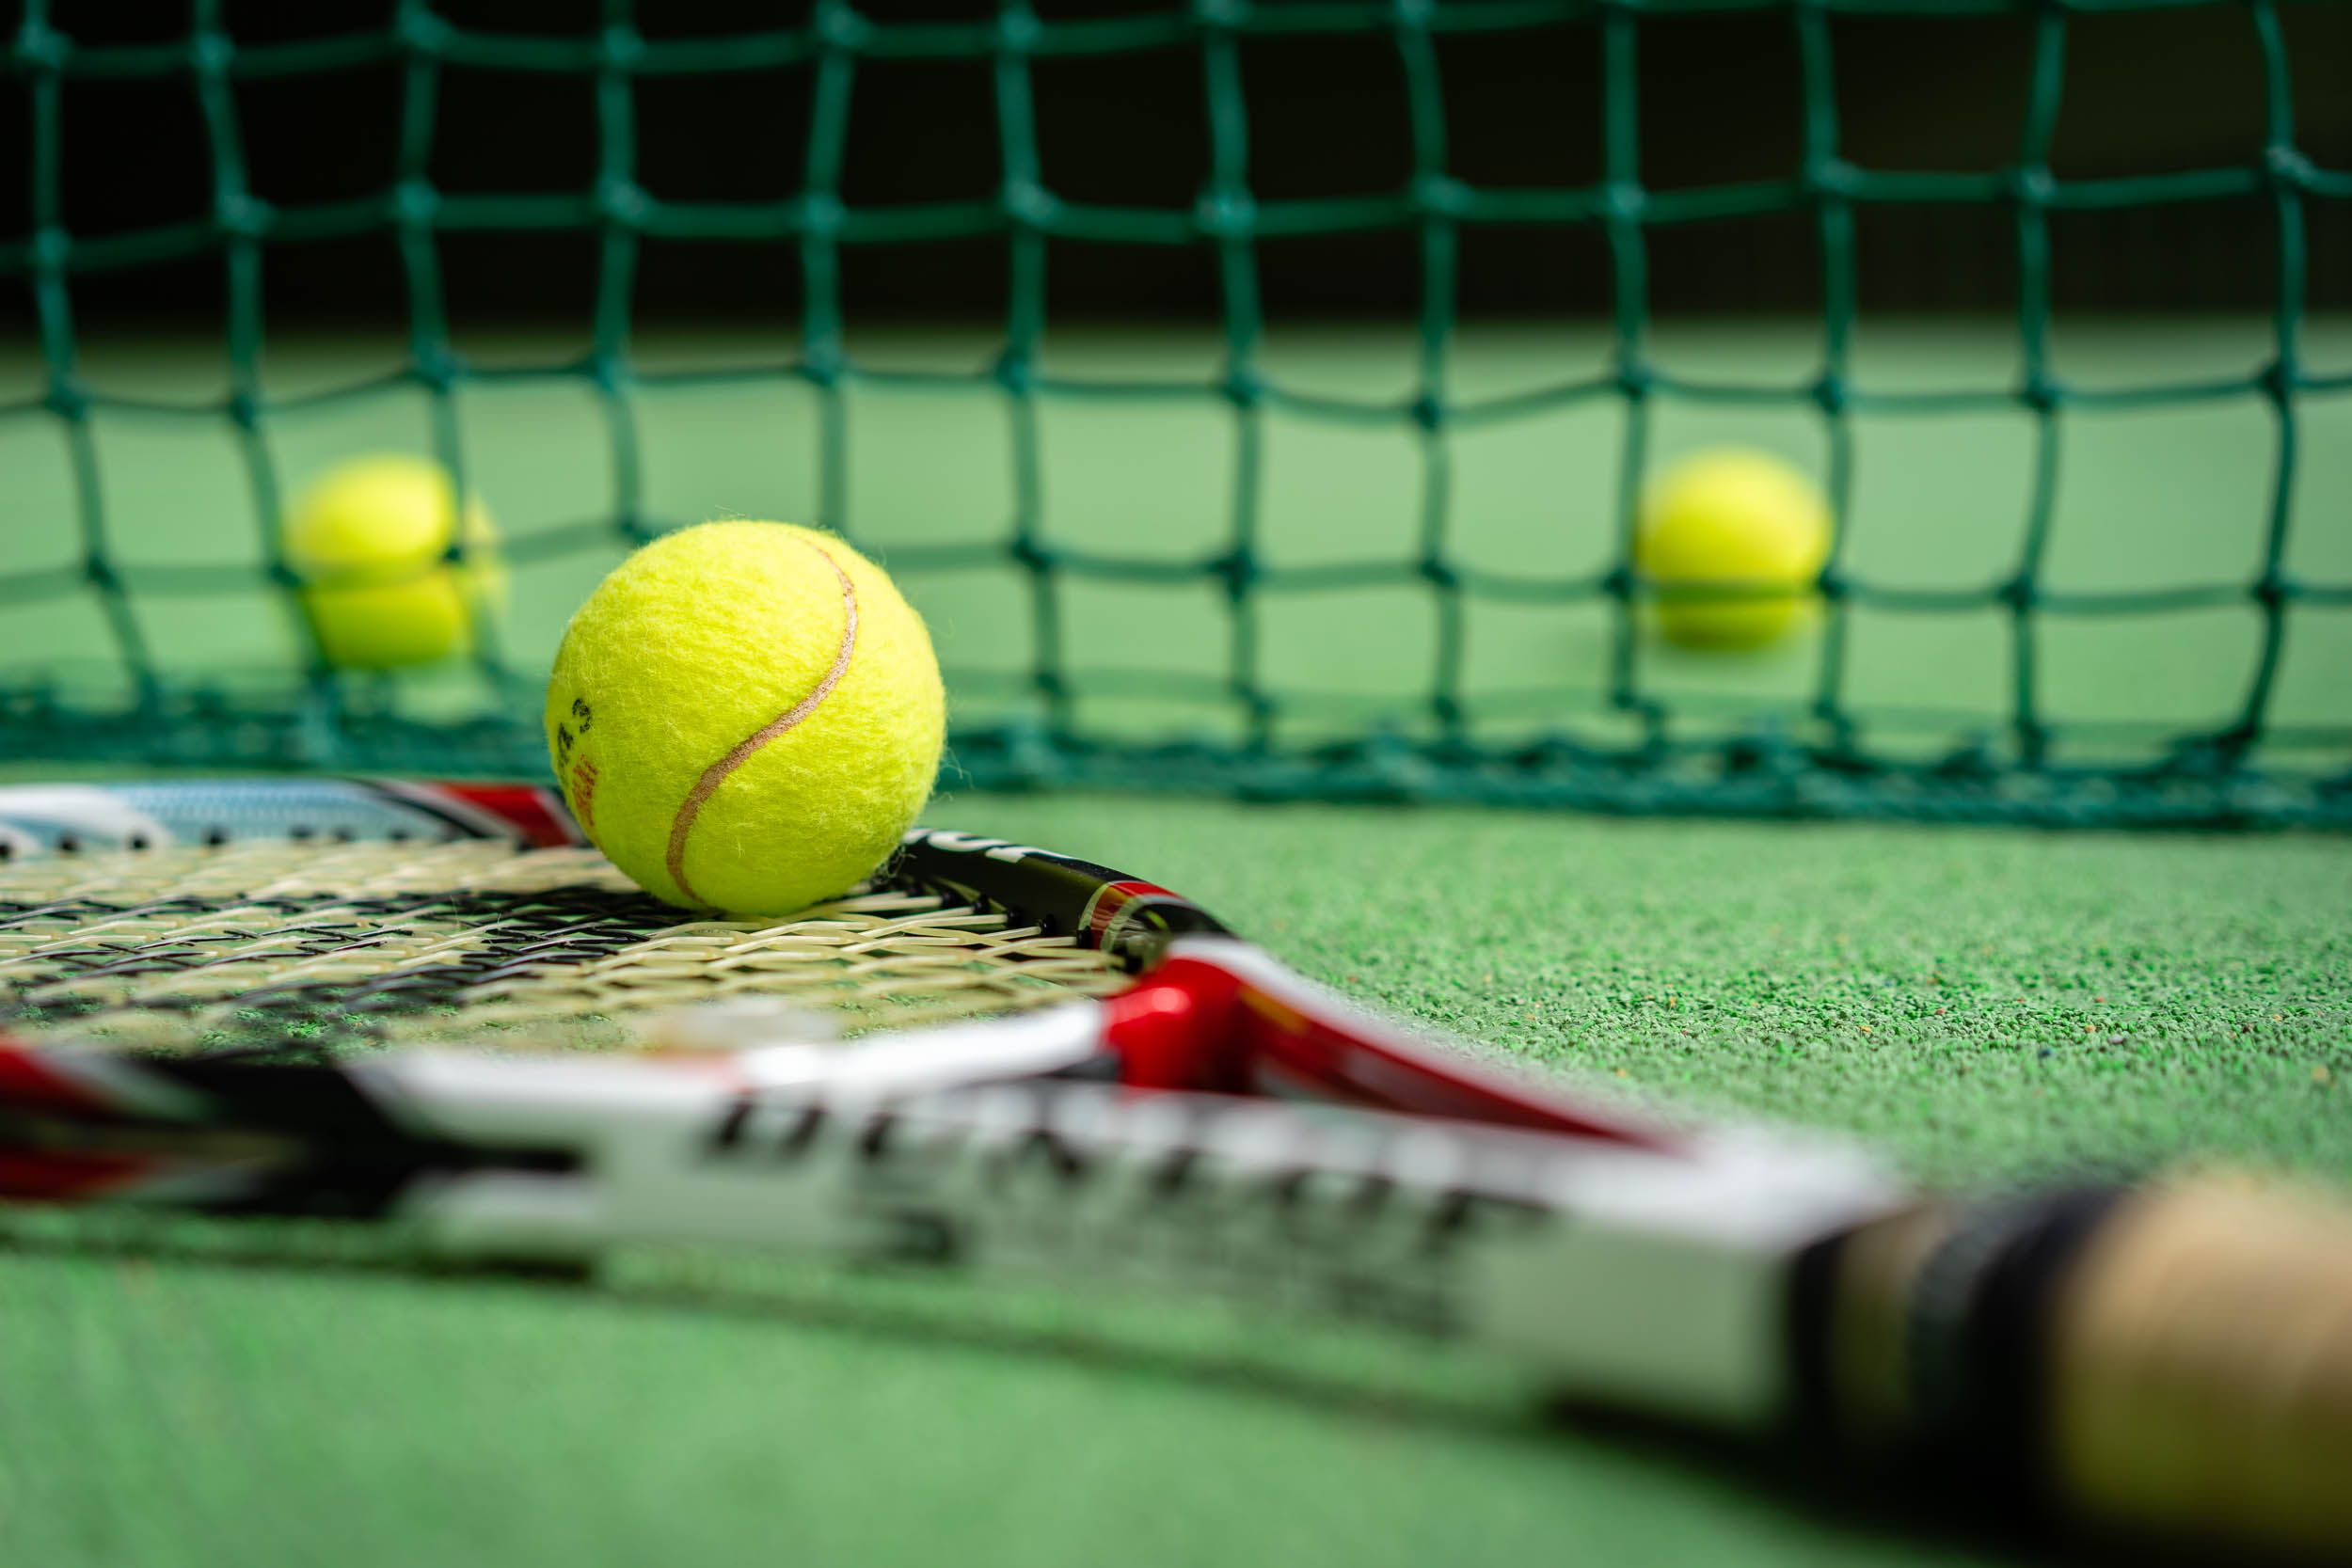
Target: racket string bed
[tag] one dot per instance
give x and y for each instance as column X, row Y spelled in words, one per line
column 277, row 947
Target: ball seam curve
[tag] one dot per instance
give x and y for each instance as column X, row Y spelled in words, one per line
column 682, row 825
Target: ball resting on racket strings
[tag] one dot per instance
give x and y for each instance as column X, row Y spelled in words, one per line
column 745, row 717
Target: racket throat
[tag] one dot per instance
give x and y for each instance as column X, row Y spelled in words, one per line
column 1179, row 1030
column 1219, row 1017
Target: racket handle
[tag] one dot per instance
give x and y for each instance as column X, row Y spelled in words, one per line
column 2173, row 1360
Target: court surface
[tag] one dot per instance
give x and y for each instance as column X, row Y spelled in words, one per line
column 1989, row 1005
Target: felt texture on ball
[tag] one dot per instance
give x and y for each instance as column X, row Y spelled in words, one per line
column 1732, row 520
column 370, row 543
column 745, row 717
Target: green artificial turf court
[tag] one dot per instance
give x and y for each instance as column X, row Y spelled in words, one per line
column 1990, row 1005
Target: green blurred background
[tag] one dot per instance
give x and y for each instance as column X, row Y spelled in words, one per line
column 2160, row 499
column 1245, row 381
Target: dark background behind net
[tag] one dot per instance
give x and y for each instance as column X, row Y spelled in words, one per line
column 1720, row 103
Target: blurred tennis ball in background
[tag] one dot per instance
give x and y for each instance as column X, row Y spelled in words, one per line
column 370, row 540
column 1732, row 519
column 746, row 717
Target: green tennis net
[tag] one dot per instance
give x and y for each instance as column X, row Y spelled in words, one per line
column 1582, row 707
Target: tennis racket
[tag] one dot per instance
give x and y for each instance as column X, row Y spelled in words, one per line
column 429, row 1012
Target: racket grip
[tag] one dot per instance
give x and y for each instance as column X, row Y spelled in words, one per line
column 2172, row 1360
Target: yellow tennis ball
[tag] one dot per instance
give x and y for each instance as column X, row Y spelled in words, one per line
column 371, row 542
column 1732, row 519
column 746, row 717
